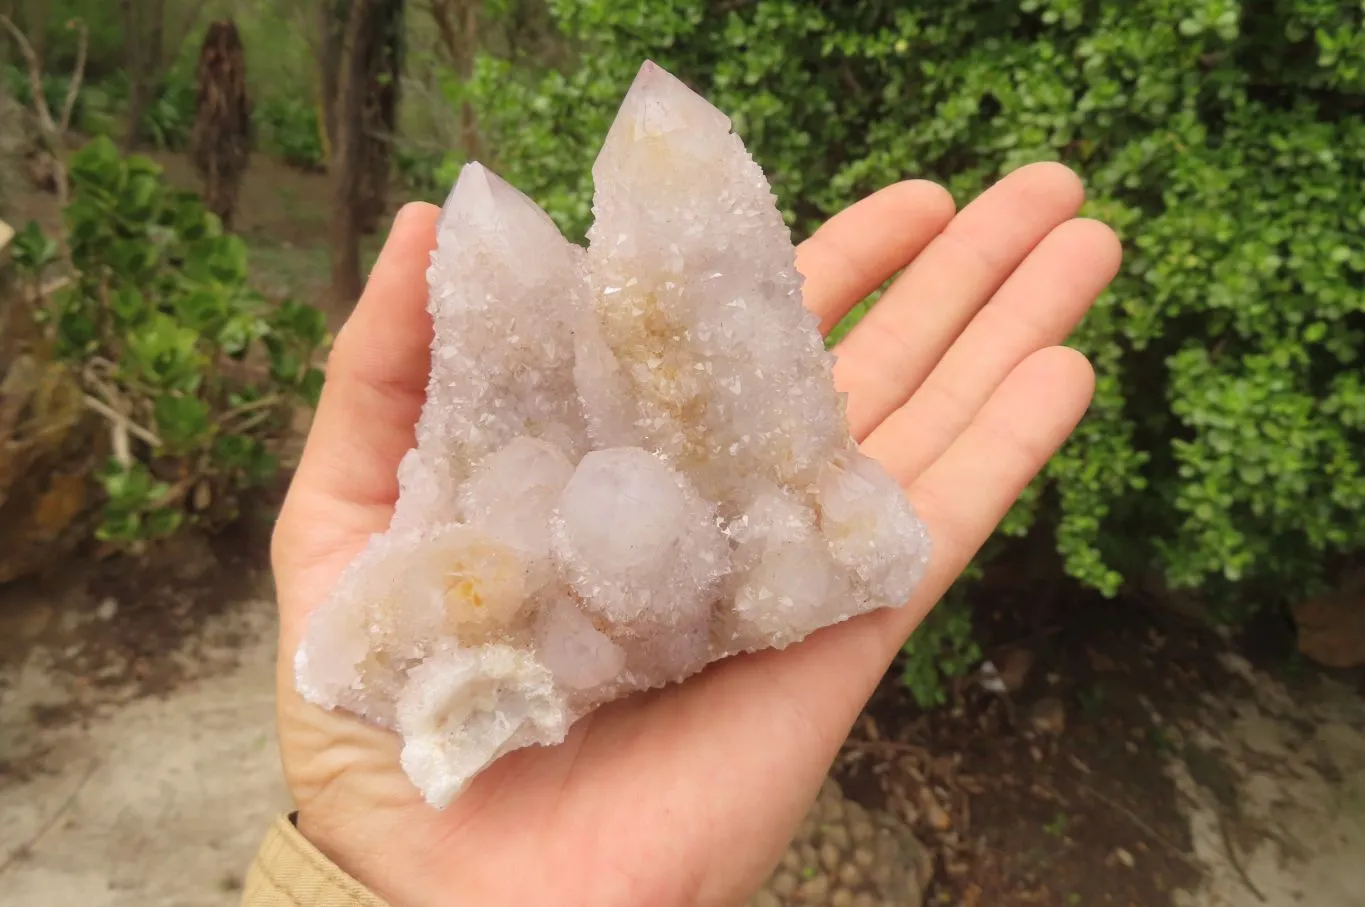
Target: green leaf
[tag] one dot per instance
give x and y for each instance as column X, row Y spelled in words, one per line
column 240, row 331
column 32, row 249
column 97, row 165
column 129, row 307
column 310, row 386
column 234, row 452
column 165, row 355
column 202, row 308
column 263, row 467
column 119, row 527
column 163, row 522
column 181, row 421
column 300, row 324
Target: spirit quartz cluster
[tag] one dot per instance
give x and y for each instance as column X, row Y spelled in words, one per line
column 632, row 460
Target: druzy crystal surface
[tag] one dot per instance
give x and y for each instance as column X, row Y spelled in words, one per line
column 632, row 460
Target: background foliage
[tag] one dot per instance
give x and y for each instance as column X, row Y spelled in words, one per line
column 1225, row 141
column 198, row 374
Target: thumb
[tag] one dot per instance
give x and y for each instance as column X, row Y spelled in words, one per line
column 346, row 483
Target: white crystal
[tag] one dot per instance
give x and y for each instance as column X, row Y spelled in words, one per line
column 506, row 289
column 632, row 460
column 579, row 655
column 635, row 542
column 462, row 707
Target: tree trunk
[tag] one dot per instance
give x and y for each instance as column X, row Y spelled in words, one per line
column 144, row 24
column 332, row 19
column 458, row 23
column 383, row 90
column 220, row 144
column 348, row 112
column 380, row 49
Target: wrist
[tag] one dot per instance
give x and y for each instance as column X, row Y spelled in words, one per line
column 350, row 848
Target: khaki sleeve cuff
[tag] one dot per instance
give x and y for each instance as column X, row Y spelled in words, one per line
column 290, row 872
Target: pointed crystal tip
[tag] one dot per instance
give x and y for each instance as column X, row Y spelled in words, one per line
column 471, row 190
column 659, row 103
column 480, row 194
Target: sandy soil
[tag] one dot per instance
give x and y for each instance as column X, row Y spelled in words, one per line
column 1276, row 803
column 140, row 801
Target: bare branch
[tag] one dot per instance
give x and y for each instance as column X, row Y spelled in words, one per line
column 73, row 87
column 442, row 15
column 120, row 421
column 35, row 75
column 254, row 406
column 54, row 133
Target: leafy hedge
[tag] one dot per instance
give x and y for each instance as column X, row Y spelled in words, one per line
column 198, row 375
column 1224, row 140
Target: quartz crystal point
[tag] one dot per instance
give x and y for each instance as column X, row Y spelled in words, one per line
column 632, row 460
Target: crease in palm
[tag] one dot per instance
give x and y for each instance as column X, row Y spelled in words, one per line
column 956, row 381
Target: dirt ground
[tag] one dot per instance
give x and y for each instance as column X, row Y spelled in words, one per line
column 1131, row 759
column 137, row 754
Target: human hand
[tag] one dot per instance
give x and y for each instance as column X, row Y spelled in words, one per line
column 687, row 796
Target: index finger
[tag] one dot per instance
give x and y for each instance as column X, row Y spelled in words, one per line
column 861, row 247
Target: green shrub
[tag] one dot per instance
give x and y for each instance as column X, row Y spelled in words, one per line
column 101, row 108
column 421, row 170
column 46, row 25
column 290, row 130
column 198, row 374
column 1224, row 140
column 169, row 118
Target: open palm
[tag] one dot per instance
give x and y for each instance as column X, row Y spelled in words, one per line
column 687, row 796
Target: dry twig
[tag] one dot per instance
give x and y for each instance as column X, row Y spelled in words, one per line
column 73, row 86
column 886, row 746
column 119, row 420
column 54, row 131
column 1141, row 824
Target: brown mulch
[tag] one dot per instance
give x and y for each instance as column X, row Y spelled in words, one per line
column 1054, row 793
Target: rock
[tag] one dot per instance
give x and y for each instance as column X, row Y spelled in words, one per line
column 830, row 856
column 1332, row 625
column 827, row 866
column 766, row 898
column 814, row 890
column 783, row 885
column 107, row 609
column 633, row 462
column 1125, row 858
column 1048, row 716
column 933, row 811
column 1008, row 673
column 850, row 874
column 49, row 446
